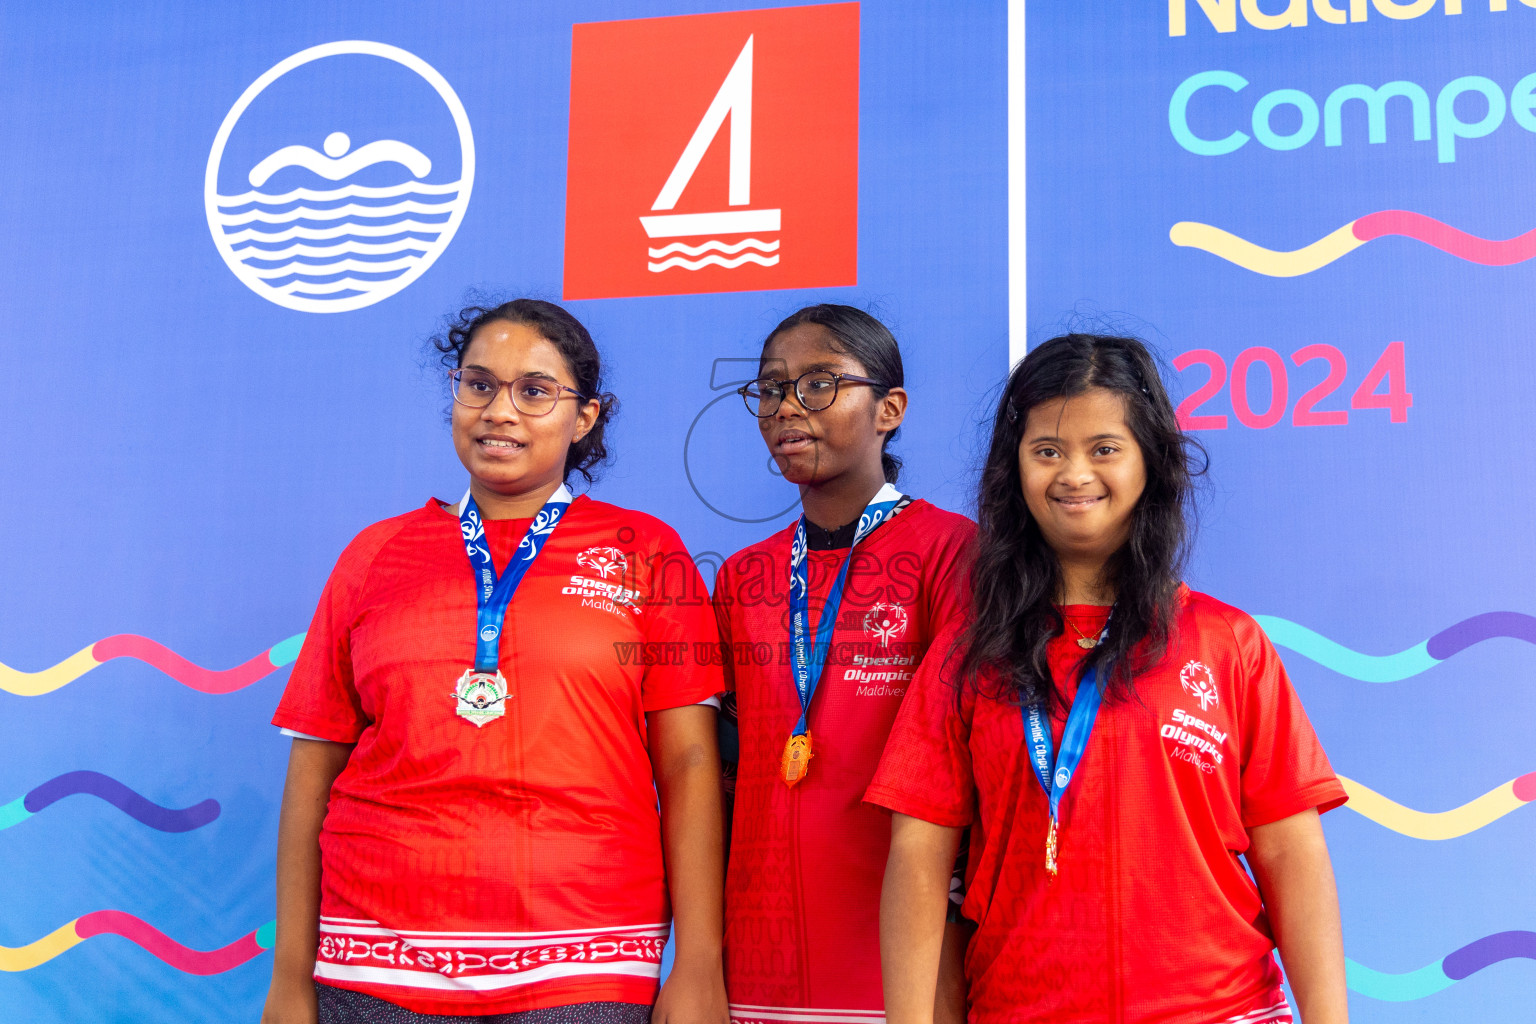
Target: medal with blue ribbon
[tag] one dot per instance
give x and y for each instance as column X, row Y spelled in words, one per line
column 480, row 694
column 1054, row 771
column 808, row 655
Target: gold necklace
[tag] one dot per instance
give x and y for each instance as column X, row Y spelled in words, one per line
column 1084, row 641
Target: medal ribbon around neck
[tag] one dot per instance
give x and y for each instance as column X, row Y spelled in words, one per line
column 808, row 655
column 1054, row 771
column 493, row 595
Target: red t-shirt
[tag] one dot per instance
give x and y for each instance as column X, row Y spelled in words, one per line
column 517, row 865
column 802, row 897
column 1152, row 917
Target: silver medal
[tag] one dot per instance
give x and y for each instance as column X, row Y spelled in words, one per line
column 480, row 697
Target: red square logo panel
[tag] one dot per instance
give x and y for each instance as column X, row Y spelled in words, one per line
column 714, row 153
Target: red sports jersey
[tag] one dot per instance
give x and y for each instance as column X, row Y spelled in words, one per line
column 517, row 865
column 802, row 898
column 1153, row 917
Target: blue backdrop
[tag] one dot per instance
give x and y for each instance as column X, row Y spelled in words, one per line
column 1374, row 535
column 184, row 458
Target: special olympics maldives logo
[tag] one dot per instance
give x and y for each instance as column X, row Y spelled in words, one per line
column 603, row 561
column 713, row 153
column 339, row 176
column 885, row 621
column 1198, row 682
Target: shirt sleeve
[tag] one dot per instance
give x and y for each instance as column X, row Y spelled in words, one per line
column 1284, row 769
column 679, row 619
column 925, row 771
column 321, row 699
column 950, row 601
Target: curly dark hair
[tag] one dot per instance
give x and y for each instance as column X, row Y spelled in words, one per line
column 1016, row 578
column 567, row 334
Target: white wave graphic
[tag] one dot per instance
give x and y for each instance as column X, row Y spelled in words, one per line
column 346, row 284
column 713, row 261
column 335, row 213
column 344, row 249
column 314, row 195
column 714, row 245
column 319, row 234
column 259, row 223
column 335, row 267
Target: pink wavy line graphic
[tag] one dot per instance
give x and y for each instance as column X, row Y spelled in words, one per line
column 183, row 958
column 1336, row 244
column 150, row 938
column 1488, row 252
column 129, row 645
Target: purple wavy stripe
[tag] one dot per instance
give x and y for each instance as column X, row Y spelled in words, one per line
column 1479, row 628
column 1473, row 957
column 107, row 788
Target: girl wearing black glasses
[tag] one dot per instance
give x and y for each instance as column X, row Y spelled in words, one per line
column 470, row 823
column 825, row 623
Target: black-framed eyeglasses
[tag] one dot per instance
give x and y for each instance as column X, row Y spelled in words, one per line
column 815, row 390
column 533, row 396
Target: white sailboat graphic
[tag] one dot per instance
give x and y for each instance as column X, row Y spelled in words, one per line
column 733, row 98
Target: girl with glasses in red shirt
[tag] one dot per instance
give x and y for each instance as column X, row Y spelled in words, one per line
column 825, row 623
column 470, row 824
column 1118, row 745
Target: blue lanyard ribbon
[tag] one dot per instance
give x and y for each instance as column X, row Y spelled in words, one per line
column 1056, row 771
column 808, row 657
column 493, row 595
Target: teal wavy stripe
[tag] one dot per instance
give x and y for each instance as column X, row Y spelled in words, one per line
column 1396, row 988
column 1368, row 668
column 14, row 812
column 286, row 652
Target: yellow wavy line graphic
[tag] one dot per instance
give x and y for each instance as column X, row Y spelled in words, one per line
column 1260, row 260
column 24, row 958
column 35, row 684
column 1458, row 821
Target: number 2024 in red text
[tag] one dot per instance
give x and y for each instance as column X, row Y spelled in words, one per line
column 1384, row 387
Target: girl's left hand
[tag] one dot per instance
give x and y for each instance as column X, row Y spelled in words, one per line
column 692, row 994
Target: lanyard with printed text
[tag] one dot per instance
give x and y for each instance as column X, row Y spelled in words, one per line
column 481, row 692
column 807, row 654
column 1056, row 771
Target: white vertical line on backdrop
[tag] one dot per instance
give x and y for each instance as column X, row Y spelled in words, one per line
column 1018, row 295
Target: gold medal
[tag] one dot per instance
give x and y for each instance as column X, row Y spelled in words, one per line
column 1051, row 844
column 796, row 760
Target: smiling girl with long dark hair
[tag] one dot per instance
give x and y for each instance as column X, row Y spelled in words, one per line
column 1119, row 743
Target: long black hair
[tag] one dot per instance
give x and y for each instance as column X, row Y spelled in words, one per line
column 855, row 333
column 1016, row 578
column 566, row 333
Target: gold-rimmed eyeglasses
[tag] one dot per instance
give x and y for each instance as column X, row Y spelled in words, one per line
column 533, row 396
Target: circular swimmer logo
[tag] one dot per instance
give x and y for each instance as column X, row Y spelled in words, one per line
column 341, row 227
